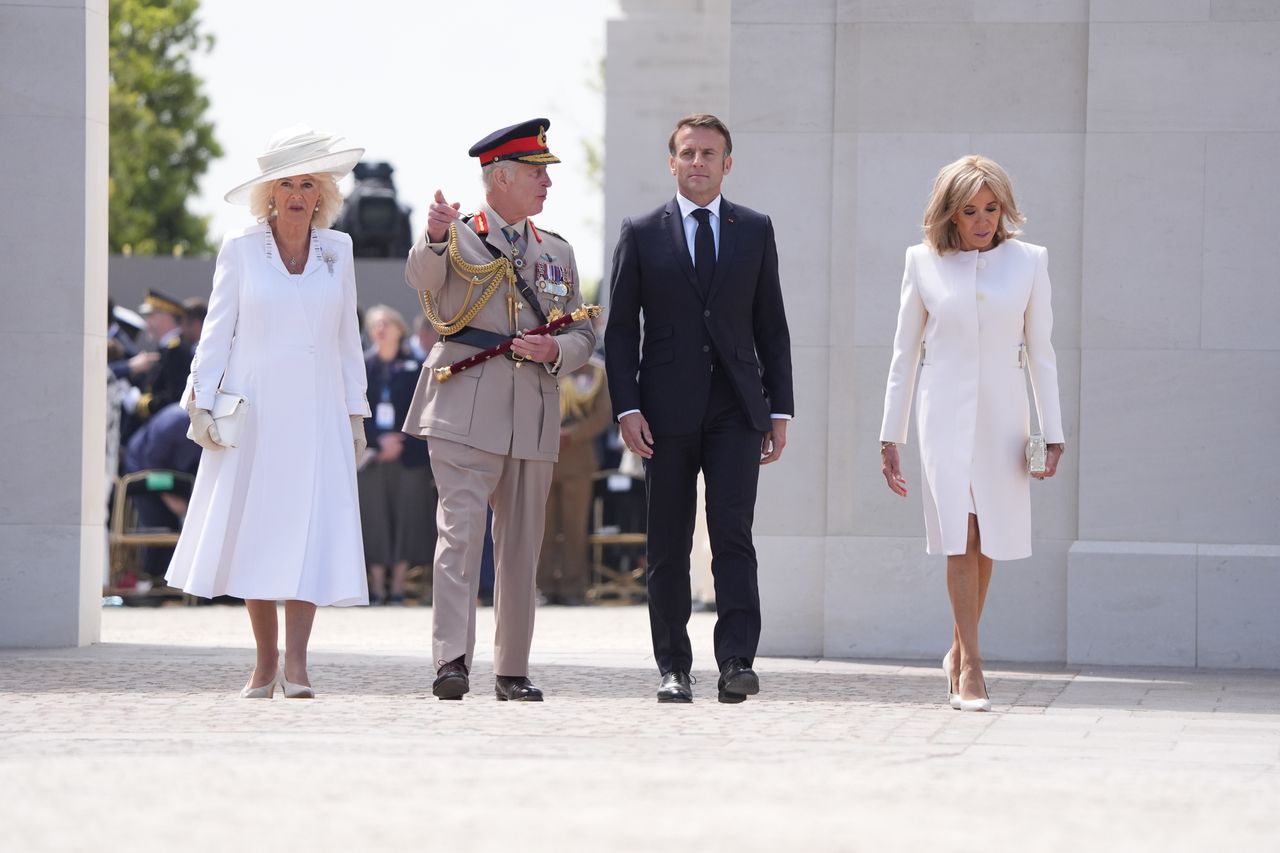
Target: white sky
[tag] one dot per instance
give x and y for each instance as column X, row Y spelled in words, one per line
column 415, row 83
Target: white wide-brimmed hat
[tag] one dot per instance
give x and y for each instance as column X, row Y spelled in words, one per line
column 299, row 150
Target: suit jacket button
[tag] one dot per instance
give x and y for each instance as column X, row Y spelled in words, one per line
column 706, row 312
column 706, row 348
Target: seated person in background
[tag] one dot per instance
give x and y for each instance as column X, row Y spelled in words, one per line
column 161, row 443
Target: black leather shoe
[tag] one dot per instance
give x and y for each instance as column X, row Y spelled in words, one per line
column 676, row 687
column 451, row 680
column 737, row 681
column 516, row 688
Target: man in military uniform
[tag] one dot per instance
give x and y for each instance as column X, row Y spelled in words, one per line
column 493, row 430
column 164, row 317
column 585, row 413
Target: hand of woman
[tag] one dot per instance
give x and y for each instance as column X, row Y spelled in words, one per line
column 358, row 437
column 890, row 467
column 204, row 431
column 1052, row 454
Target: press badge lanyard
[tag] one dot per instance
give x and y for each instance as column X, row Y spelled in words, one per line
column 384, row 415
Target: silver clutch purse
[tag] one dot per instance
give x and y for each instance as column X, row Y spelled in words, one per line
column 228, row 415
column 1037, row 454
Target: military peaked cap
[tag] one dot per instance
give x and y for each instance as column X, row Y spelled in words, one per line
column 525, row 142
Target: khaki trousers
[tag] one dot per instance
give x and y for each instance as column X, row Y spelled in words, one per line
column 469, row 480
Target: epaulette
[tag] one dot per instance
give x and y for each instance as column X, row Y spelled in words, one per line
column 545, row 230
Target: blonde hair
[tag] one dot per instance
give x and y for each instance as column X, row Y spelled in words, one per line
column 326, row 211
column 957, row 183
column 386, row 312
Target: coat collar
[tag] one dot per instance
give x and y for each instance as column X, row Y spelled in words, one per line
column 321, row 254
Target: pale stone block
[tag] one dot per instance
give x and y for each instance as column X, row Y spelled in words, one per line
column 1178, row 446
column 842, row 189
column 1031, row 11
column 45, row 280
column 93, row 438
column 1149, row 11
column 885, row 598
column 1245, row 10
column 1241, row 254
column 43, row 61
column 1238, row 598
column 1183, row 78
column 861, row 503
column 844, row 451
column 918, row 11
column 795, row 198
column 1131, row 603
column 96, row 59
column 40, row 583
column 895, row 174
column 896, row 68
column 40, row 369
column 791, row 92
column 1047, row 171
column 1143, row 240
column 1025, row 618
column 784, row 11
column 791, row 594
column 792, row 490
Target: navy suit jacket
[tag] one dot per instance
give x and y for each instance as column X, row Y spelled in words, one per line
column 741, row 322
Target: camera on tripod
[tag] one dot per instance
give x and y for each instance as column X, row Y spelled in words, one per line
column 377, row 222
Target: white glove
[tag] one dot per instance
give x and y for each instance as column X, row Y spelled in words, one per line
column 204, row 431
column 358, row 437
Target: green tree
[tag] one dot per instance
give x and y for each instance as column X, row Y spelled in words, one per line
column 161, row 142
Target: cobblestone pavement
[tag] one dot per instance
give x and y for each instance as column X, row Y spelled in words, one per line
column 141, row 744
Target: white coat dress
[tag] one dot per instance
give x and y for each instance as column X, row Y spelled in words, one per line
column 278, row 516
column 962, row 325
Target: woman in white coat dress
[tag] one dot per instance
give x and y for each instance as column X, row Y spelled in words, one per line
column 975, row 318
column 277, row 516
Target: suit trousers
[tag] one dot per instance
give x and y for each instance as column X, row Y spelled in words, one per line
column 468, row 481
column 727, row 452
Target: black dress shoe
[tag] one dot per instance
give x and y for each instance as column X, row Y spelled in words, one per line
column 737, row 681
column 516, row 688
column 451, row 680
column 676, row 687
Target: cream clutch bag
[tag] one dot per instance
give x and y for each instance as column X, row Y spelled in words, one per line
column 228, row 415
column 1037, row 454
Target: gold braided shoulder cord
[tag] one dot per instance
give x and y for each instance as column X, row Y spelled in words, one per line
column 491, row 275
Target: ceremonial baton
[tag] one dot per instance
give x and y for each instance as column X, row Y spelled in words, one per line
column 444, row 374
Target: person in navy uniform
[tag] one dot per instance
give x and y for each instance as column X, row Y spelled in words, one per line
column 164, row 316
column 162, row 444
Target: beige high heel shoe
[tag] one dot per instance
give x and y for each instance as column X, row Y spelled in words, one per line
column 291, row 690
column 266, row 691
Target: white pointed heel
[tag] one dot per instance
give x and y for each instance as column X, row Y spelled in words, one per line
column 291, row 690
column 983, row 704
column 953, row 698
column 266, row 691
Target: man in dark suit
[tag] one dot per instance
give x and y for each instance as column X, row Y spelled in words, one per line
column 709, row 391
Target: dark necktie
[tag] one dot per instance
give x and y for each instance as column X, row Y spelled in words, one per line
column 704, row 250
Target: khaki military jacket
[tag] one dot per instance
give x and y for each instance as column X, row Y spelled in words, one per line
column 499, row 406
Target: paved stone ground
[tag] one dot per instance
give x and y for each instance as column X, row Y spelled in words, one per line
column 141, row 744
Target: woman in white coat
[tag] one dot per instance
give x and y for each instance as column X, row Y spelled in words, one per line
column 975, row 317
column 277, row 517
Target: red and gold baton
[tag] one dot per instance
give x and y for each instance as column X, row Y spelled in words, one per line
column 585, row 312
